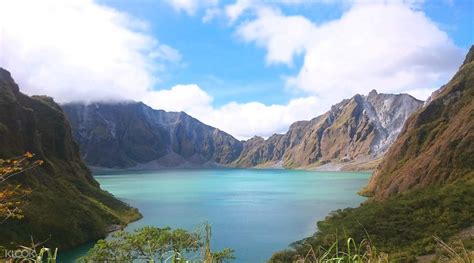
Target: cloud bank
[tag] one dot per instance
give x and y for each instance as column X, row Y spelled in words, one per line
column 79, row 50
column 87, row 52
column 242, row 120
column 389, row 47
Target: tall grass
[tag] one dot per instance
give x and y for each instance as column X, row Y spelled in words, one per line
column 454, row 253
column 351, row 252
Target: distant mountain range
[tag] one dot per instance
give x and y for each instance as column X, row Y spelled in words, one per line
column 353, row 135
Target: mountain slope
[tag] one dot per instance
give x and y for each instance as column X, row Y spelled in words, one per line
column 424, row 187
column 357, row 130
column 436, row 145
column 124, row 135
column 353, row 133
column 66, row 206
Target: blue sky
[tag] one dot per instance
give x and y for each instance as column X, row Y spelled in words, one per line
column 246, row 67
column 213, row 56
column 232, row 70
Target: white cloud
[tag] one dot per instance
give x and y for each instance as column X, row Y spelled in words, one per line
column 283, row 37
column 51, row 49
column 389, row 47
column 210, row 14
column 79, row 50
column 234, row 11
column 191, row 6
column 187, row 98
column 242, row 120
column 83, row 51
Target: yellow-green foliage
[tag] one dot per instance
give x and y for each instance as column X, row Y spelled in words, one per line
column 152, row 244
column 11, row 194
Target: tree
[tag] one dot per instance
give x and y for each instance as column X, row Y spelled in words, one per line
column 153, row 244
column 214, row 257
column 11, row 194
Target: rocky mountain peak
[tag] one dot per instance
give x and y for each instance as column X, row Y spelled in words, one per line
column 359, row 129
column 8, row 84
column 255, row 139
column 372, row 93
column 436, row 144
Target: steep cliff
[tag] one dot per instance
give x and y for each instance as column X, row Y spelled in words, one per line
column 66, row 206
column 436, row 145
column 124, row 135
column 423, row 188
column 351, row 135
column 354, row 132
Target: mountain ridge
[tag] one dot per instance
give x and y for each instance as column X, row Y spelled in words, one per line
column 136, row 135
column 150, row 139
column 364, row 124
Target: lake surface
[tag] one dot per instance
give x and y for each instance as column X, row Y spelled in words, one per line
column 255, row 212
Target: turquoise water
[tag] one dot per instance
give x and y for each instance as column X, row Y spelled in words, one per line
column 255, row 212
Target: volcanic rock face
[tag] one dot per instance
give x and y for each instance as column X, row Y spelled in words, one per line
column 357, row 130
column 353, row 133
column 436, row 145
column 66, row 206
column 123, row 135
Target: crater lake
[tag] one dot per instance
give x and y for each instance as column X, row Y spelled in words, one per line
column 256, row 212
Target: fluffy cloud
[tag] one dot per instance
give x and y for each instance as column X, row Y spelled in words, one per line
column 241, row 120
column 83, row 51
column 254, row 118
column 188, row 98
column 51, row 49
column 389, row 47
column 282, row 36
column 79, row 50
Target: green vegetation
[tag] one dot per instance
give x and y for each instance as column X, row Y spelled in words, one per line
column 352, row 252
column 161, row 244
column 365, row 252
column 66, row 206
column 436, row 146
column 402, row 226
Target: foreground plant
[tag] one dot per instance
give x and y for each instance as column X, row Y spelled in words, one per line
column 455, row 252
column 33, row 253
column 153, row 244
column 11, row 194
column 350, row 252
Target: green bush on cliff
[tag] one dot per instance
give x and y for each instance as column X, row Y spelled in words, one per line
column 402, row 226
